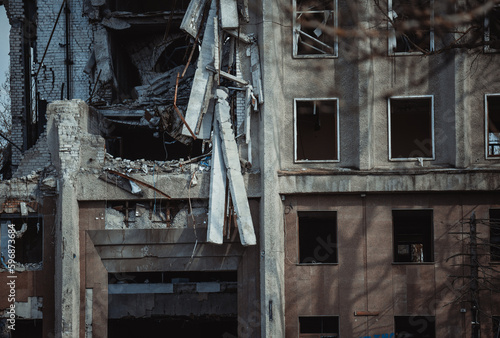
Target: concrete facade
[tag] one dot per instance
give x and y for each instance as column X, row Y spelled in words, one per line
column 310, row 222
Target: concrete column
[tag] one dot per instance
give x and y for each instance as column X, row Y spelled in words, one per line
column 63, row 126
column 272, row 283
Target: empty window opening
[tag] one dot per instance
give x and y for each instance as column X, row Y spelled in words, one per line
column 415, row 326
column 27, row 328
column 492, row 30
column 410, row 26
column 317, row 237
column 145, row 6
column 320, row 326
column 28, row 239
column 175, row 326
column 496, row 326
column 495, row 235
column 315, row 22
column 413, row 235
column 411, row 130
column 493, row 125
column 316, row 130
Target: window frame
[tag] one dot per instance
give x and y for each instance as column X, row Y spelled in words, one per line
column 389, row 123
column 295, row 132
column 486, row 128
column 319, row 334
column 336, row 238
column 487, row 48
column 391, row 39
column 295, row 35
column 432, row 240
column 417, row 318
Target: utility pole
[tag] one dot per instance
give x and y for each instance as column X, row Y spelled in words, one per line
column 474, row 274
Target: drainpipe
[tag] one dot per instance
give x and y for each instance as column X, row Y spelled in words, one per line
column 68, row 62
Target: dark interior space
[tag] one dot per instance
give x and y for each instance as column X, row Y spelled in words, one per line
column 135, row 142
column 310, row 15
column 327, row 325
column 29, row 243
column 494, row 27
column 145, row 6
column 25, row 328
column 413, row 39
column 493, row 102
column 415, row 327
column 176, row 326
column 173, row 277
column 411, row 127
column 316, row 123
column 413, row 235
column 495, row 235
column 318, row 236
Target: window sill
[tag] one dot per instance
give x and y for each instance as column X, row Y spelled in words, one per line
column 411, row 159
column 413, row 263
column 316, row 56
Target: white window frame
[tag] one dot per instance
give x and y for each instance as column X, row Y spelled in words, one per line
column 392, row 42
column 486, row 136
column 487, row 48
column 403, row 159
column 295, row 129
column 296, row 34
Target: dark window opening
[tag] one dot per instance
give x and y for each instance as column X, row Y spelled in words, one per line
column 172, row 277
column 176, row 54
column 413, row 235
column 27, row 328
column 145, row 6
column 314, row 24
column 493, row 120
column 415, row 326
column 317, row 237
column 28, row 241
column 317, row 130
column 175, row 326
column 411, row 128
column 321, row 326
column 492, row 29
column 140, row 142
column 495, row 235
column 405, row 13
column 496, row 326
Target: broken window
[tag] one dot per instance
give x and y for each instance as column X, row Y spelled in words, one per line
column 316, row 130
column 319, row 326
column 496, row 326
column 492, row 30
column 28, row 239
column 314, row 28
column 410, row 26
column 495, row 235
column 411, row 127
column 415, row 326
column 413, row 235
column 492, row 125
column 317, row 237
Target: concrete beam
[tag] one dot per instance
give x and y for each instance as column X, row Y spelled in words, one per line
column 232, row 162
column 201, row 91
column 192, row 19
column 217, row 191
column 229, row 14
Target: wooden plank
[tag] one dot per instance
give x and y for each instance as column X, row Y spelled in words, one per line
column 171, row 264
column 217, row 189
column 229, row 14
column 232, row 163
column 168, row 250
column 201, row 90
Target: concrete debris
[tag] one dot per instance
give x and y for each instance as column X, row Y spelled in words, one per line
column 193, row 17
column 229, row 14
column 115, row 23
column 232, row 163
column 256, row 73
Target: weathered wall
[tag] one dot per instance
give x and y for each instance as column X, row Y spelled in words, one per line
column 366, row 279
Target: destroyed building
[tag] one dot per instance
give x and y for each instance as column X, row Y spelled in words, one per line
column 241, row 169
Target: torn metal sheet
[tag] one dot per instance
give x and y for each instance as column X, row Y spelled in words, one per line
column 229, row 14
column 201, row 91
column 122, row 183
column 138, row 182
column 193, row 16
column 232, row 163
column 256, row 73
column 215, row 231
